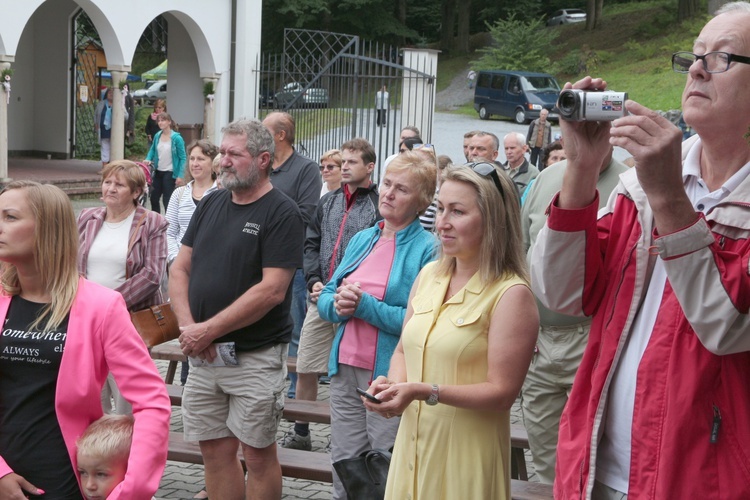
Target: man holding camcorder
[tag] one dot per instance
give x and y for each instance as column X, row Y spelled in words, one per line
column 659, row 407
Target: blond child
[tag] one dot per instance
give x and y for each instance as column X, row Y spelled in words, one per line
column 103, row 452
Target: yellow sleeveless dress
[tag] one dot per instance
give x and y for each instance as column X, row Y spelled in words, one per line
column 443, row 452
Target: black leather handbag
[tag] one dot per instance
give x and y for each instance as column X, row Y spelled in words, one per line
column 364, row 476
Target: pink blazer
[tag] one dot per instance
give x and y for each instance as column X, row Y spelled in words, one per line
column 102, row 339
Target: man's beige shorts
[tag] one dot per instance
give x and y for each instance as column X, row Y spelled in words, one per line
column 315, row 342
column 244, row 401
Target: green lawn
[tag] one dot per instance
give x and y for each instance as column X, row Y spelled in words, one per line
column 631, row 51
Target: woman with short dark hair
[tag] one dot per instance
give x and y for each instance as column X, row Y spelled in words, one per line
column 123, row 246
column 201, row 180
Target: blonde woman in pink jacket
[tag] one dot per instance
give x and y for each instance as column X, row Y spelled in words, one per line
column 61, row 336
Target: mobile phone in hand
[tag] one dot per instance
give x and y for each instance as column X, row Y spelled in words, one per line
column 368, row 396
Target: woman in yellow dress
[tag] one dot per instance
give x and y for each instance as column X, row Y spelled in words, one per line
column 468, row 338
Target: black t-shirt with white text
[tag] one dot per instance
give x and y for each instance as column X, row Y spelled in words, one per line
column 31, row 442
column 231, row 245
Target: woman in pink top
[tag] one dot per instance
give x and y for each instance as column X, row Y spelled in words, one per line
column 367, row 296
column 61, row 336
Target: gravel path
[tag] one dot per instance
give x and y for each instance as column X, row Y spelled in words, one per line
column 456, row 94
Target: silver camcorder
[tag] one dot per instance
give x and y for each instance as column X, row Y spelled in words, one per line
column 581, row 105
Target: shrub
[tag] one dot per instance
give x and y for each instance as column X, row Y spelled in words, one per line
column 518, row 45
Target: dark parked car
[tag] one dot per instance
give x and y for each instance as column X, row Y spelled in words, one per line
column 313, row 97
column 515, row 94
column 567, row 16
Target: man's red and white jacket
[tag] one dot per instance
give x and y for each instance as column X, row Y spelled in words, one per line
column 691, row 421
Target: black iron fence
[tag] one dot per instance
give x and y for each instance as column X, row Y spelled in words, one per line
column 337, row 88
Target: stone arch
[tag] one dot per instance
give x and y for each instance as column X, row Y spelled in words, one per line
column 107, row 34
column 206, row 60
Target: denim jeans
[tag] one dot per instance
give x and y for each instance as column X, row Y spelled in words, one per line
column 299, row 311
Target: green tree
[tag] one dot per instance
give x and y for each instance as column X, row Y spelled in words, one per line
column 687, row 9
column 518, row 45
column 448, row 21
column 593, row 14
column 377, row 20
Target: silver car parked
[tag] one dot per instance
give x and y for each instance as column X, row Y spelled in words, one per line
column 292, row 92
column 567, row 16
column 156, row 90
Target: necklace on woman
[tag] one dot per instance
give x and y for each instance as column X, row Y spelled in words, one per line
column 201, row 189
column 197, row 196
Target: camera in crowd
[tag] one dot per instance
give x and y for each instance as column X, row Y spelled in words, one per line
column 581, row 105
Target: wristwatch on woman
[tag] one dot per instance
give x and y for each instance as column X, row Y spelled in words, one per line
column 434, row 396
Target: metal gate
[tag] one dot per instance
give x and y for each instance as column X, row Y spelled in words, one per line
column 329, row 81
column 85, row 84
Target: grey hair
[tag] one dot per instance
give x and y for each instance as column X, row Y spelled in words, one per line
column 734, row 7
column 259, row 139
column 518, row 136
column 495, row 140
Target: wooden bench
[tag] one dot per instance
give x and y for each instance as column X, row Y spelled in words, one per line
column 314, row 466
column 308, row 465
column 294, row 409
column 320, row 412
column 526, row 490
column 519, row 441
column 170, row 351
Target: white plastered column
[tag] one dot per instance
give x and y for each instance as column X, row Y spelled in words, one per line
column 209, row 110
column 4, row 128
column 418, row 93
column 117, row 141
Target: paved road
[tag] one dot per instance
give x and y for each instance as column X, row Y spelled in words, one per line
column 447, row 135
column 449, row 129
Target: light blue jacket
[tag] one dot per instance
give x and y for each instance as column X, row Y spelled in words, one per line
column 179, row 156
column 415, row 247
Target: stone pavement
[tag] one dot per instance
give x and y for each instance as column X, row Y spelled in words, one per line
column 39, row 169
column 183, row 481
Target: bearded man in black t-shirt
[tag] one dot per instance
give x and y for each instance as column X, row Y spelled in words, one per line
column 231, row 284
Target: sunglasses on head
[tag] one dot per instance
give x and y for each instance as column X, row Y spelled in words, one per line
column 486, row 169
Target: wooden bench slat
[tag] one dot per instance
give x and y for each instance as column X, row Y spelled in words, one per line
column 526, row 490
column 320, row 412
column 307, row 411
column 315, row 466
column 308, row 465
column 294, row 409
column 169, row 351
